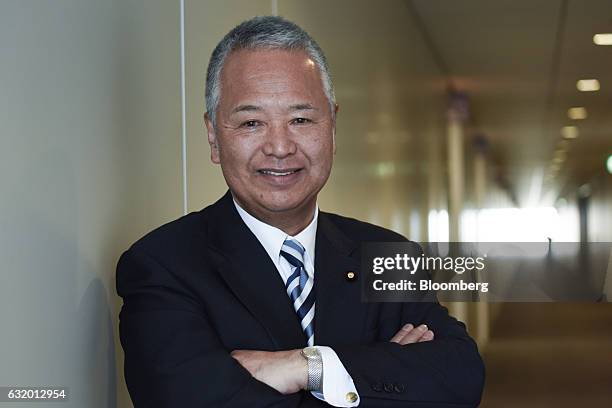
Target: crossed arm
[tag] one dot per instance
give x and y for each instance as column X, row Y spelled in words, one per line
column 287, row 371
column 174, row 357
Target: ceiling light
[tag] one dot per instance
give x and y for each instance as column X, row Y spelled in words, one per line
column 569, row 132
column 609, row 164
column 577, row 113
column 587, row 85
column 603, row 39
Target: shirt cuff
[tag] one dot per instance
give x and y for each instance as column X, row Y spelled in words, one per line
column 338, row 387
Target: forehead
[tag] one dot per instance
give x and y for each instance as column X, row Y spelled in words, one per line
column 275, row 73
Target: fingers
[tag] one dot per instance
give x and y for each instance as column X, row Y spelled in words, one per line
column 427, row 336
column 414, row 335
column 401, row 333
column 409, row 334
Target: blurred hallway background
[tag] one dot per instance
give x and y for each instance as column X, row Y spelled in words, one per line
column 462, row 120
column 549, row 355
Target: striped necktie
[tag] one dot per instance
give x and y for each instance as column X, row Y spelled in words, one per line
column 299, row 287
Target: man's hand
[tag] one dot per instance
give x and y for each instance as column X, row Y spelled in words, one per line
column 285, row 371
column 410, row 334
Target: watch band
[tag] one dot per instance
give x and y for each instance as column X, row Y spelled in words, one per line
column 315, row 368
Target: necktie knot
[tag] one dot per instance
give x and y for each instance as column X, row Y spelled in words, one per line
column 293, row 252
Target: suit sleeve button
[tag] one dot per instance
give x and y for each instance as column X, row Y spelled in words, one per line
column 377, row 387
column 399, row 388
column 351, row 276
column 388, row 387
column 351, row 397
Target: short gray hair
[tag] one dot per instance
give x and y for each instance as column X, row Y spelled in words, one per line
column 266, row 32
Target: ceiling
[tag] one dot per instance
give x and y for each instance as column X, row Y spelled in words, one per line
column 519, row 62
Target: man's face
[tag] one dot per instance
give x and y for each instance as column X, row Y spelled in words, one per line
column 275, row 130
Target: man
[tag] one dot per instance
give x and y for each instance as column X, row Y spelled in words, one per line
column 255, row 300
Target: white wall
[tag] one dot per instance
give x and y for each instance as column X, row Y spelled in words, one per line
column 89, row 161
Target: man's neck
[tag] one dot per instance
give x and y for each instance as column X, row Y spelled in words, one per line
column 290, row 222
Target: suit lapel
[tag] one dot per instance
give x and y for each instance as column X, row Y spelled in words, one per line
column 252, row 276
column 339, row 314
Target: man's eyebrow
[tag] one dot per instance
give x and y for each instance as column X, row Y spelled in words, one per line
column 255, row 108
column 246, row 108
column 301, row 106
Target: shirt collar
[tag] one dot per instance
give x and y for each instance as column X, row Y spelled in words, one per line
column 272, row 238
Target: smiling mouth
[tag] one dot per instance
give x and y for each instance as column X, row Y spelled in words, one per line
column 278, row 173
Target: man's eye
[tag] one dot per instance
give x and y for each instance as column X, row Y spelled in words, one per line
column 250, row 124
column 300, row 121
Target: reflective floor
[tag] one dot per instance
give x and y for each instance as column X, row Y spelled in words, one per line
column 550, row 355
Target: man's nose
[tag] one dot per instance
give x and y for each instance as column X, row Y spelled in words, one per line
column 279, row 142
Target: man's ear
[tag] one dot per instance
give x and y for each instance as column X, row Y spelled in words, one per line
column 336, row 108
column 212, row 139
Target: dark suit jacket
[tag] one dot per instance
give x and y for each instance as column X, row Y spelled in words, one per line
column 201, row 286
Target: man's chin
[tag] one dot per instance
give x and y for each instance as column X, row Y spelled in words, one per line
column 285, row 204
column 284, row 207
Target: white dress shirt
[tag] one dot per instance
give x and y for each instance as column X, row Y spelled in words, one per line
column 337, row 382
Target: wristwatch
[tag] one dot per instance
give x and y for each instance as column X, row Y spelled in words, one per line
column 315, row 368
